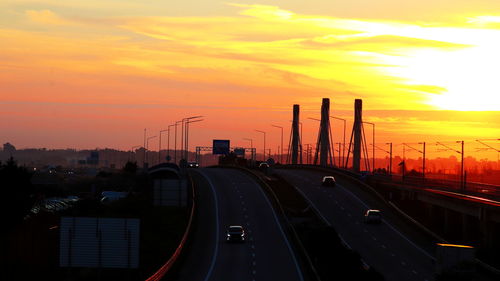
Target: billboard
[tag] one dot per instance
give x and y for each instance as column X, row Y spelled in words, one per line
column 99, row 242
column 220, row 147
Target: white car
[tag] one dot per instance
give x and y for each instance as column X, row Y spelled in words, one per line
column 373, row 216
column 328, row 181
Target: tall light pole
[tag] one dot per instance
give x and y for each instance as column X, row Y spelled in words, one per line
column 373, row 135
column 168, row 143
column 343, row 145
column 147, row 146
column 175, row 142
column 144, row 156
column 281, row 156
column 264, row 142
column 159, row 146
column 189, row 121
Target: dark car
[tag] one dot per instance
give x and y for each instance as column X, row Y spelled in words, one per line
column 328, row 181
column 235, row 233
column 193, row 165
column 373, row 216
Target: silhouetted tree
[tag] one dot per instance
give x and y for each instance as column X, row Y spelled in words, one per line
column 130, row 168
column 17, row 192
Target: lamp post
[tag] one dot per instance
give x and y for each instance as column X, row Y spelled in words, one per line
column 159, row 146
column 264, row 142
column 390, row 157
column 373, row 135
column 147, row 146
column 168, row 143
column 281, row 156
column 343, row 145
column 175, row 142
column 144, row 156
column 189, row 121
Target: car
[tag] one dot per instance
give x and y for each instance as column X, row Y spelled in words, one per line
column 373, row 216
column 263, row 165
column 235, row 233
column 328, row 181
column 193, row 165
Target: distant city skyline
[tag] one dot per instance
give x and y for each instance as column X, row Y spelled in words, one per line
column 87, row 74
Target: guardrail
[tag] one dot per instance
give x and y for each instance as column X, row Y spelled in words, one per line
column 160, row 273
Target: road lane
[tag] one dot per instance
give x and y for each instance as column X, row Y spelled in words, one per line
column 381, row 246
column 266, row 254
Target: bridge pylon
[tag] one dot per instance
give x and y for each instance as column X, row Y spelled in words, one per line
column 323, row 145
column 295, row 137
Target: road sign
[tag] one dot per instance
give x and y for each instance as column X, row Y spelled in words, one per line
column 239, row 151
column 221, row 147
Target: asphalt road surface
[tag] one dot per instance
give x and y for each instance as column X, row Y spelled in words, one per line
column 381, row 246
column 231, row 197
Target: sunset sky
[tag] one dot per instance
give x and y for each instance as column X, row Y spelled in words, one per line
column 86, row 74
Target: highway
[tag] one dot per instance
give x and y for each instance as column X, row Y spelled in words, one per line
column 382, row 246
column 231, row 197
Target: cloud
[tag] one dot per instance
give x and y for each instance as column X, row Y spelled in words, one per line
column 46, row 17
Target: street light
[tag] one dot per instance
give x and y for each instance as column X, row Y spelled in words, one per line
column 189, row 121
column 343, row 145
column 159, row 146
column 281, row 156
column 168, row 143
column 184, row 132
column 264, row 142
column 175, row 142
column 373, row 135
column 147, row 146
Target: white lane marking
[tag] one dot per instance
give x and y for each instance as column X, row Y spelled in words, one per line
column 414, row 272
column 374, row 238
column 393, row 255
column 214, row 256
column 403, row 263
column 388, row 224
column 342, row 208
column 282, row 232
column 349, row 215
column 364, row 230
column 383, row 246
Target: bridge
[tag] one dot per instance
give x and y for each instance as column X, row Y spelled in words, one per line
column 417, row 214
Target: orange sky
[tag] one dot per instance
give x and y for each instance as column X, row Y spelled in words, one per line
column 86, row 74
